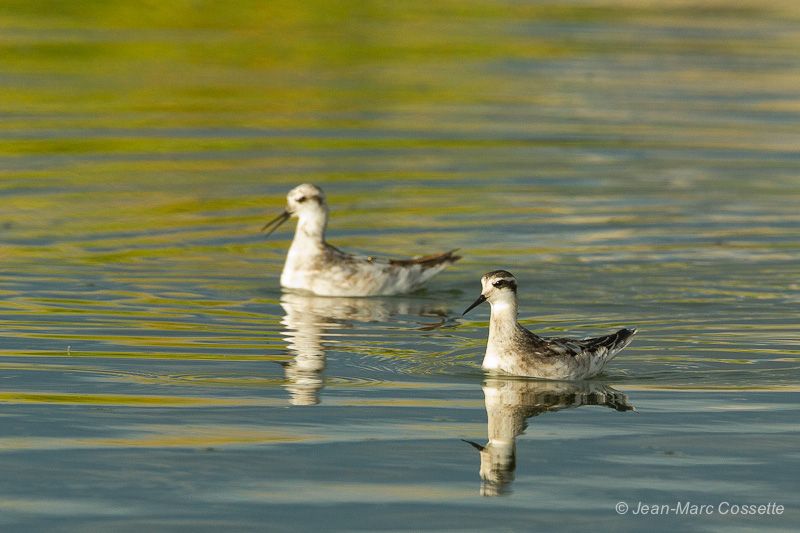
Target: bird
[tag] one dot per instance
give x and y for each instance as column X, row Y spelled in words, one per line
column 314, row 266
column 512, row 349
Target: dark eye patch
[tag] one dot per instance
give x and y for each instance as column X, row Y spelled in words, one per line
column 501, row 283
column 301, row 199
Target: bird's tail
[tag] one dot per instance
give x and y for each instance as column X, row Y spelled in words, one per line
column 429, row 261
column 617, row 341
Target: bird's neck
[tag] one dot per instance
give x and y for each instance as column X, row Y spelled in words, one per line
column 311, row 227
column 503, row 319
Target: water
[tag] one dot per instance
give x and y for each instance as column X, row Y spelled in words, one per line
column 630, row 165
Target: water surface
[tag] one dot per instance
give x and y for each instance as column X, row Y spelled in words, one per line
column 631, row 165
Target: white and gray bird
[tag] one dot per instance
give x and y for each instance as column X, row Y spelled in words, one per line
column 514, row 350
column 313, row 265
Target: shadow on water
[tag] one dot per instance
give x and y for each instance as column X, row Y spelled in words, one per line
column 511, row 402
column 313, row 323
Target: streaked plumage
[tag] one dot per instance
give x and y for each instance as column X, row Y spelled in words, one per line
column 514, row 350
column 315, row 266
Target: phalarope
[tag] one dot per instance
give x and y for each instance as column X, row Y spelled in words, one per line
column 514, row 350
column 315, row 266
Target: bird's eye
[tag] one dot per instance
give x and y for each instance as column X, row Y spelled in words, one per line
column 301, row 199
column 499, row 283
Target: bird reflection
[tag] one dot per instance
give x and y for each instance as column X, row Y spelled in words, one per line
column 309, row 323
column 510, row 402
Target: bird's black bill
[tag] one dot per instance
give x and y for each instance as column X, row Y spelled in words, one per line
column 276, row 223
column 478, row 302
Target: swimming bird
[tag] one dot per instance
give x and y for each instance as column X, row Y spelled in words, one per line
column 315, row 266
column 514, row 350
